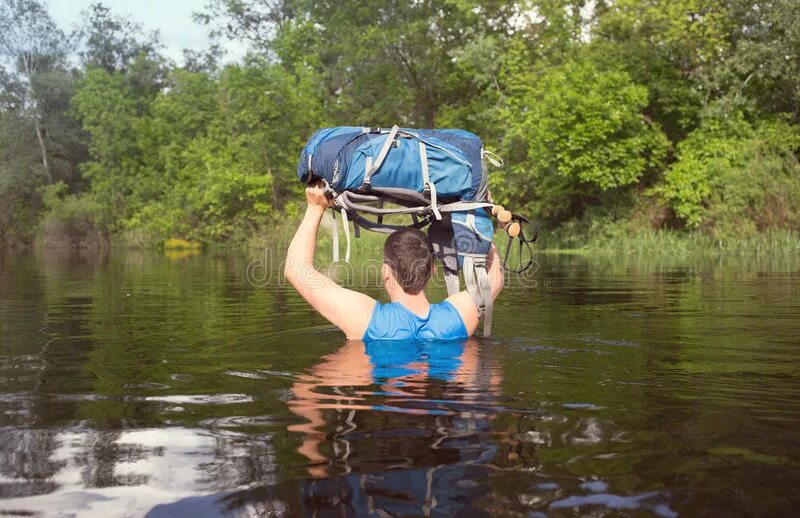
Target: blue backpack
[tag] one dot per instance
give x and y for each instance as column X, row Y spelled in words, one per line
column 437, row 177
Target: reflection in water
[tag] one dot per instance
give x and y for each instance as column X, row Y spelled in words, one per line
column 129, row 473
column 393, row 428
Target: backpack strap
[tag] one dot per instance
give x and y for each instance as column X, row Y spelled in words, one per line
column 486, row 294
column 335, row 236
column 384, row 228
column 346, row 226
column 440, row 234
column 378, row 162
column 426, row 180
column 480, row 290
column 463, row 206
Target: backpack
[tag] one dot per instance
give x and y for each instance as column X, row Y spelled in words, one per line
column 437, row 177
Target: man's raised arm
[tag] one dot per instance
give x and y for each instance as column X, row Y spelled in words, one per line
column 348, row 310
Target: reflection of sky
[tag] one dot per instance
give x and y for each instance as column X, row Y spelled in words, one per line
column 173, row 19
column 169, row 464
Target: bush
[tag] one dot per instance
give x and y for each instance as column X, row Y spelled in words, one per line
column 71, row 221
column 734, row 179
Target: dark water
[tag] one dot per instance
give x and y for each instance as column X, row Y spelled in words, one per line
column 138, row 384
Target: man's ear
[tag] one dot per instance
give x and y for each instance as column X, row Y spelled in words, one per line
column 433, row 269
column 386, row 273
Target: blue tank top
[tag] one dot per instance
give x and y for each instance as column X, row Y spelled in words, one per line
column 394, row 322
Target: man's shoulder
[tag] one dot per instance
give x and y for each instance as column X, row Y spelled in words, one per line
column 462, row 302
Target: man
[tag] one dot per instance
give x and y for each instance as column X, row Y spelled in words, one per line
column 407, row 267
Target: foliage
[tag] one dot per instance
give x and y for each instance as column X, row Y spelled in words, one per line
column 736, row 177
column 574, row 129
column 203, row 158
column 613, row 117
column 111, row 42
column 71, row 219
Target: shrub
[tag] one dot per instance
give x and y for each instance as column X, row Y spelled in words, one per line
column 733, row 178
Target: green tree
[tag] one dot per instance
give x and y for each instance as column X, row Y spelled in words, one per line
column 234, row 164
column 111, row 42
column 35, row 92
column 761, row 74
column 573, row 132
column 32, row 44
column 672, row 47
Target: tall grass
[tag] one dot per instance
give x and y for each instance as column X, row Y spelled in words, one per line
column 775, row 250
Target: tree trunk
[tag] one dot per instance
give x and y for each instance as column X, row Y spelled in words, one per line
column 42, row 147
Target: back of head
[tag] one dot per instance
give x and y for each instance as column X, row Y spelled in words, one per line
column 409, row 254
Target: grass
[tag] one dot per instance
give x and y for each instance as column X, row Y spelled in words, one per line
column 656, row 242
column 775, row 251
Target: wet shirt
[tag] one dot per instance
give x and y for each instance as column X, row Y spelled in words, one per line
column 394, row 321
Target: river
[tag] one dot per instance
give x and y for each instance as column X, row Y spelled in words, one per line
column 152, row 384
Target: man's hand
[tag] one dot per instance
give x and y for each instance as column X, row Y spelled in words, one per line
column 316, row 197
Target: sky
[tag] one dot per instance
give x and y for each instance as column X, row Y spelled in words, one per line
column 172, row 18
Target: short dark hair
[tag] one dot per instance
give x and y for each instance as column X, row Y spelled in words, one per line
column 409, row 254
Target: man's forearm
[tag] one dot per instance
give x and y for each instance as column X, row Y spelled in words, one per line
column 303, row 246
column 496, row 279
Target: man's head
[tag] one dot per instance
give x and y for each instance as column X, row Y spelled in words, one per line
column 408, row 258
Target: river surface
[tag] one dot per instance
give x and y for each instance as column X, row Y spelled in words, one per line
column 145, row 384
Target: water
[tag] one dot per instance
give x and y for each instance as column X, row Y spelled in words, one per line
column 142, row 384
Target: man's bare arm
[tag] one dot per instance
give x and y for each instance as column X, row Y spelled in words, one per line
column 348, row 310
column 494, row 266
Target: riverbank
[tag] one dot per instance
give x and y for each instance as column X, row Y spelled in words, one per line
column 776, row 247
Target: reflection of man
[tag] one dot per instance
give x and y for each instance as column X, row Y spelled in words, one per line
column 408, row 265
column 388, row 432
column 391, row 366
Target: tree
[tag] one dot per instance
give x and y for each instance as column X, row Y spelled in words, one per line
column 381, row 62
column 573, row 132
column 32, row 44
column 111, row 42
column 762, row 73
column 672, row 47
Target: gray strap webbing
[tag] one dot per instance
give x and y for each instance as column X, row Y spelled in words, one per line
column 451, row 281
column 400, row 193
column 345, row 201
column 335, row 238
column 426, row 180
column 464, row 205
column 416, row 197
column 382, row 155
column 472, row 284
column 480, row 290
column 346, row 226
column 486, row 295
column 351, row 201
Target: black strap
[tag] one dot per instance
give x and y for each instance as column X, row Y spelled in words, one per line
column 383, row 227
column 524, row 242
